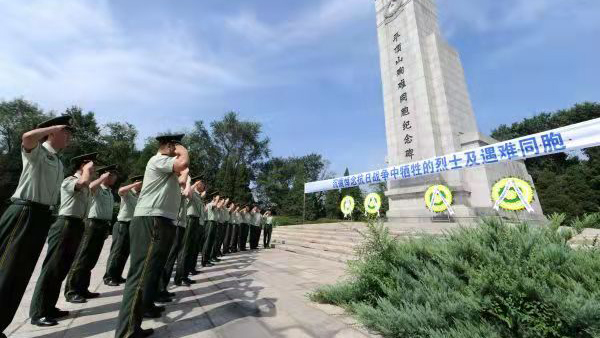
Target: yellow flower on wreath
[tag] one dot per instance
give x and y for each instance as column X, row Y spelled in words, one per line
column 438, row 204
column 511, row 201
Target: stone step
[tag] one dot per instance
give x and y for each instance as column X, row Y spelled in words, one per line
column 337, row 235
column 343, row 243
column 346, row 250
column 319, row 235
column 332, row 256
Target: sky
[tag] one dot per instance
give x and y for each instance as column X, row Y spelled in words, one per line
column 307, row 70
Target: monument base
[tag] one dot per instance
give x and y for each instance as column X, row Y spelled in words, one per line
column 471, row 190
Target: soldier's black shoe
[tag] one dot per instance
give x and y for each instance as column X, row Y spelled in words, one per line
column 163, row 299
column 141, row 333
column 122, row 280
column 57, row 313
column 189, row 281
column 169, row 294
column 158, row 308
column 216, row 260
column 44, row 321
column 112, row 282
column 194, row 272
column 90, row 295
column 152, row 314
column 209, row 264
column 76, row 299
column 182, row 282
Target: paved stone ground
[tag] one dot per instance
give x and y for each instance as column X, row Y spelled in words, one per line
column 251, row 294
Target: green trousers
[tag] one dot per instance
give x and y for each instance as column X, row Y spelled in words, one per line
column 209, row 243
column 268, row 231
column 188, row 257
column 63, row 240
column 119, row 252
column 244, row 229
column 227, row 237
column 173, row 256
column 78, row 280
column 199, row 245
column 220, row 235
column 254, row 236
column 23, row 231
column 151, row 240
column 235, row 238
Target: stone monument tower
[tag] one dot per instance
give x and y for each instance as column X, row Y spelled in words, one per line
column 428, row 113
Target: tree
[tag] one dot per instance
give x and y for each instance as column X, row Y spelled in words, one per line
column 240, row 146
column 280, row 185
column 16, row 117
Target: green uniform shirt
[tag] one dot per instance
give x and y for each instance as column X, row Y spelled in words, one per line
column 182, row 216
column 255, row 219
column 202, row 211
column 102, row 203
column 127, row 207
column 211, row 213
column 245, row 218
column 219, row 215
column 226, row 215
column 41, row 176
column 161, row 194
column 73, row 203
column 269, row 220
column 234, row 218
column 195, row 205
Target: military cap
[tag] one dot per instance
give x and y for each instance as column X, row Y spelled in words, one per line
column 63, row 120
column 81, row 159
column 107, row 169
column 170, row 138
column 136, row 178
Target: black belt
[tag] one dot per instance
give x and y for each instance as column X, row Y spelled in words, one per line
column 71, row 218
column 32, row 204
column 106, row 222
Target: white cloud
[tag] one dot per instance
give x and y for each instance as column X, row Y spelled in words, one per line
column 309, row 25
column 60, row 53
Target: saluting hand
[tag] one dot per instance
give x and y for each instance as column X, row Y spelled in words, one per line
column 89, row 167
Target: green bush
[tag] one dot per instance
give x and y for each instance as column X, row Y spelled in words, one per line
column 495, row 280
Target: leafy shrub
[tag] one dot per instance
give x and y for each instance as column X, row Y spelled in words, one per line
column 495, row 280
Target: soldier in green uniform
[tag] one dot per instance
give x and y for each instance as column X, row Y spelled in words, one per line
column 211, row 224
column 152, row 232
column 220, row 230
column 244, row 227
column 119, row 250
column 63, row 240
column 100, row 215
column 25, row 223
column 186, row 262
column 227, row 227
column 268, row 229
column 255, row 228
column 180, row 230
column 235, row 229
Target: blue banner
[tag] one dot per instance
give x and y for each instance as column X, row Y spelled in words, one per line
column 573, row 137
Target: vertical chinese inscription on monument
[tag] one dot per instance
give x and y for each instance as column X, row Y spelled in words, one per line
column 401, row 95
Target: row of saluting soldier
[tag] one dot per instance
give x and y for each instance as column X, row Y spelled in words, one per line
column 165, row 216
